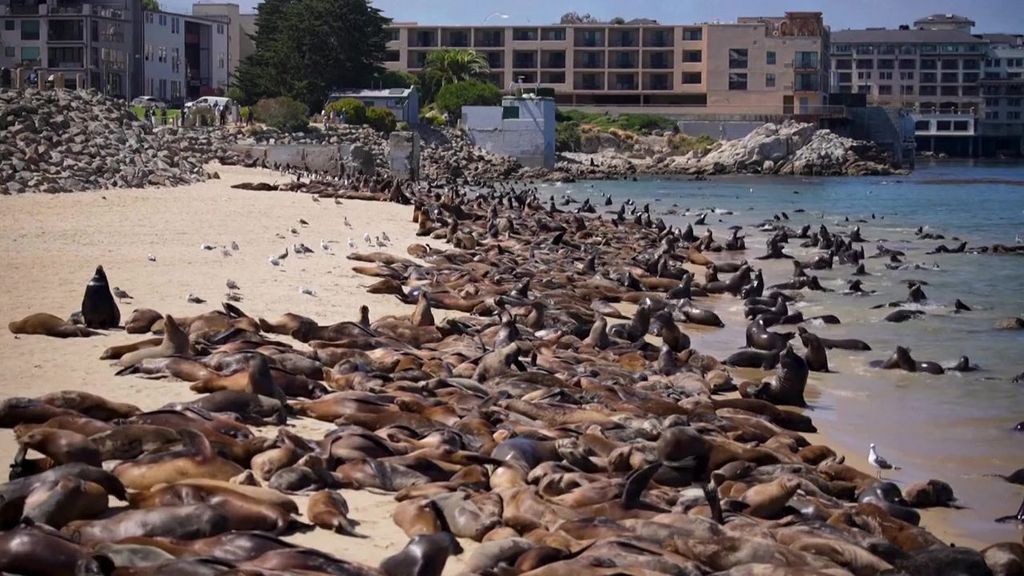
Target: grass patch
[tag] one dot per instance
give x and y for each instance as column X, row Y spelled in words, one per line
column 642, row 123
column 140, row 113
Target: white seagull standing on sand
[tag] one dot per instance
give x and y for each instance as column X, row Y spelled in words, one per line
column 325, row 246
column 347, row 225
column 351, row 244
column 384, row 236
column 274, row 261
column 231, row 284
column 879, row 462
column 366, row 237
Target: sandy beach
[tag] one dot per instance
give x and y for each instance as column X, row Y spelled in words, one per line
column 52, row 244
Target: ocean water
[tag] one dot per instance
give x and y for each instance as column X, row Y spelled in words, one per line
column 957, row 427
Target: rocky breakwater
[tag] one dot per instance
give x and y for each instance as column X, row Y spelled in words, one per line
column 68, row 141
column 361, row 142
column 449, row 154
column 790, row 148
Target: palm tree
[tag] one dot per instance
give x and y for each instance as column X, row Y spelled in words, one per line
column 455, row 65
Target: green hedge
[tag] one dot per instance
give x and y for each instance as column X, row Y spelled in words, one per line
column 354, row 111
column 282, row 113
column 452, row 97
column 381, row 120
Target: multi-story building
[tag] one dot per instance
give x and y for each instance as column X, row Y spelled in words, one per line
column 184, row 56
column 1002, row 87
column 240, row 30
column 772, row 65
column 95, row 42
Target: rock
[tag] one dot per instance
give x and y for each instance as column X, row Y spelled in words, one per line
column 1010, row 324
column 929, row 494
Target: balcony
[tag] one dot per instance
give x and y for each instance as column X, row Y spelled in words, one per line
column 622, row 61
column 553, row 60
column 590, row 61
column 589, row 39
column 524, row 61
column 806, row 84
column 806, row 62
column 65, row 64
column 65, row 31
column 659, row 62
column 658, row 82
column 624, row 39
column 489, row 39
column 657, row 38
column 456, row 39
column 422, row 39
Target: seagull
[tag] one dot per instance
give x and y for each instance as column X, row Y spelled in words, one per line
column 233, row 297
column 274, row 261
column 347, row 224
column 879, row 462
column 232, row 285
column 337, row 201
column 324, row 246
column 284, row 254
column 151, row 258
column 293, row 231
column 226, row 253
column 234, row 246
column 193, row 299
column 366, row 237
column 303, row 222
column 384, row 235
column 316, row 199
column 351, row 244
column 307, row 291
column 121, row 294
column 205, row 246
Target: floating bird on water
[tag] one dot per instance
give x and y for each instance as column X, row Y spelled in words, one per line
column 193, row 299
column 234, row 245
column 307, row 291
column 121, row 294
column 232, row 285
column 205, row 246
column 879, row 462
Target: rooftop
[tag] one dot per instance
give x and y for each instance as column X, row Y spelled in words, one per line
column 384, row 93
column 886, row 36
column 944, row 19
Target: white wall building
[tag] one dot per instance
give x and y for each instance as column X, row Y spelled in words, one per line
column 184, row 57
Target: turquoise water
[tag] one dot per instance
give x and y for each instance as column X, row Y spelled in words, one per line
column 956, row 427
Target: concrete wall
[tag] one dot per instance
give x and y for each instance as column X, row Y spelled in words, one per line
column 529, row 138
column 723, row 130
column 317, row 158
column 405, row 154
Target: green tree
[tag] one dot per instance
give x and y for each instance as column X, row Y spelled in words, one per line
column 451, row 98
column 395, row 79
column 354, row 111
column 307, row 48
column 381, row 120
column 455, row 65
column 151, row 5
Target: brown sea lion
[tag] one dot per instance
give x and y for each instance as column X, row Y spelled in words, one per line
column 38, row 551
column 58, row 503
column 61, row 446
column 90, row 405
column 129, row 441
column 17, row 411
column 45, row 324
column 243, row 511
column 768, row 500
column 117, row 352
column 174, row 343
column 81, row 424
column 192, row 521
column 422, row 315
column 195, row 460
column 423, row 556
column 329, row 510
column 141, row 320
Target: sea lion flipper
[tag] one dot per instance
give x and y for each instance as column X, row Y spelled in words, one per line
column 636, row 483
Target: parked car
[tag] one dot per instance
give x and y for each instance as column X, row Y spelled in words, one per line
column 210, row 101
column 149, row 102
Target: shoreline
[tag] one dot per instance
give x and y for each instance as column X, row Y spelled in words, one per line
column 41, row 279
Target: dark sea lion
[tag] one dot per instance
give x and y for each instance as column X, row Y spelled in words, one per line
column 117, row 352
column 902, row 315
column 329, row 510
column 90, row 405
column 1004, row 558
column 902, row 360
column 423, row 556
column 175, row 343
column 244, row 512
column 61, row 446
column 751, row 358
column 99, row 309
column 963, row 365
column 22, row 487
column 45, row 324
column 129, row 441
column 83, row 425
column 761, row 338
column 928, row 494
column 142, row 320
column 58, row 503
column 787, row 388
column 17, row 410
column 841, row 343
column 816, row 356
column 37, row 551
column 191, row 521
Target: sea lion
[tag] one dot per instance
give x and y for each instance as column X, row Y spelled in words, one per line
column 90, row 405
column 22, row 487
column 424, row 555
column 751, row 358
column 768, row 500
column 963, row 365
column 45, row 324
column 118, row 351
column 60, row 502
column 244, row 512
column 816, row 356
column 902, row 360
column 99, row 309
column 902, row 315
column 61, row 446
column 329, row 510
column 17, row 410
column 175, row 343
column 37, row 551
column 195, row 460
column 787, row 387
column 129, row 441
column 422, row 315
column 761, row 338
column 191, row 521
column 141, row 320
column 841, row 343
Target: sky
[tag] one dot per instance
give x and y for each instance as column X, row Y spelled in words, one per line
column 990, row 15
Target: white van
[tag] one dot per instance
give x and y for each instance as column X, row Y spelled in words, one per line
column 211, row 101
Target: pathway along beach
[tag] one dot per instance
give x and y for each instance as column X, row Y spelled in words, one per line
column 54, row 242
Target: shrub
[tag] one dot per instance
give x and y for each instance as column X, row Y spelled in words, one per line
column 567, row 137
column 282, row 113
column 452, row 97
column 402, row 127
column 236, row 94
column 431, row 116
column 352, row 110
column 681, row 144
column 200, row 116
column 381, row 120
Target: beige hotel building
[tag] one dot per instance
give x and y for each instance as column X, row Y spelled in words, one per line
column 757, row 65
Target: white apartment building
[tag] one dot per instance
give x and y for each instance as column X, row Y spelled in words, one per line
column 184, row 56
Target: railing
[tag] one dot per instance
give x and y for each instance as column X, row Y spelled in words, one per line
column 590, row 43
column 66, row 9
column 805, row 63
column 918, row 111
column 67, row 64
column 58, row 38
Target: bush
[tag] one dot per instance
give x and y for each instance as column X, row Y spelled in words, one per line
column 452, row 97
column 627, row 122
column 567, row 137
column 402, row 127
column 236, row 94
column 282, row 113
column 381, row 120
column 681, row 144
column 431, row 116
column 352, row 110
column 200, row 116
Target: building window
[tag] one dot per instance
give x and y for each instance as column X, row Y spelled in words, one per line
column 220, row 29
column 8, row 51
column 950, row 64
column 149, row 17
column 29, row 53
column 969, row 77
column 30, row 29
column 863, row 75
column 885, row 90
column 392, row 56
column 175, row 90
column 1014, row 102
column 906, row 75
column 147, row 52
column 928, row 77
column 950, row 78
column 885, row 75
column 929, row 64
column 907, row 90
column 908, row 64
column 928, row 91
column 865, row 64
column 769, row 79
column 552, row 35
column 738, row 80
column 886, row 64
column 864, row 89
column 844, row 64
column 770, row 59
column 737, row 59
column 220, row 60
column 992, row 102
column 991, row 115
column 175, row 26
column 692, row 55
column 1013, row 115
column 393, row 34
column 693, row 34
column 845, row 77
column 691, row 78
column 163, row 20
column 9, row 24
column 175, row 60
